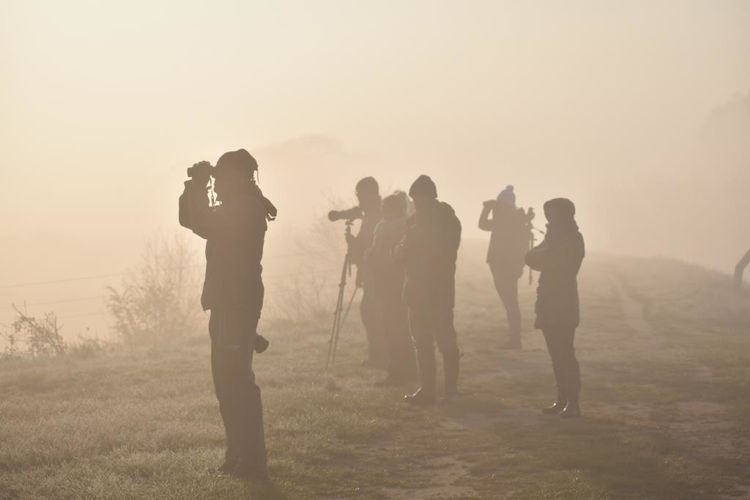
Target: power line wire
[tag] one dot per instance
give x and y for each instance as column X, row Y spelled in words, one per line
column 122, row 273
column 64, row 280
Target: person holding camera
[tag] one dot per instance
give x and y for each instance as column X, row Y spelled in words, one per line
column 559, row 259
column 429, row 251
column 510, row 229
column 233, row 291
column 369, row 209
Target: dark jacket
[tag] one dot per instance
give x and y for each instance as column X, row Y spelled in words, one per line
column 234, row 246
column 558, row 258
column 429, row 250
column 360, row 244
column 509, row 239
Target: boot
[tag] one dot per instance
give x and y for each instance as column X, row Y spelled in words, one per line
column 261, row 343
column 246, row 471
column 423, row 397
column 558, row 407
column 572, row 410
column 450, row 368
column 555, row 409
column 426, row 392
column 224, row 469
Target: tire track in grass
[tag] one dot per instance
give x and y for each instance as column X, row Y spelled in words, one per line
column 703, row 427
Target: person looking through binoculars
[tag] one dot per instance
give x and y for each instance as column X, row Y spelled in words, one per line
column 234, row 225
column 369, row 209
column 510, row 229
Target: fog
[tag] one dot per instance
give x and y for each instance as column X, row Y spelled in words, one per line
column 638, row 111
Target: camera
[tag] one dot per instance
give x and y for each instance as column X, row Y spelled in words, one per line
column 201, row 170
column 350, row 214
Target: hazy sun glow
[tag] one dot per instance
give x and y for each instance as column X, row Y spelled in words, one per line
column 628, row 108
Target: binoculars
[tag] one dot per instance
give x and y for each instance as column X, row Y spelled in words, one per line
column 200, row 170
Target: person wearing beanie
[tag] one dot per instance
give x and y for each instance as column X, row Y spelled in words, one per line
column 233, row 291
column 558, row 258
column 510, row 236
column 387, row 275
column 429, row 251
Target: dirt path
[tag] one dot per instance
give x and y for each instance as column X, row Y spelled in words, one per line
column 703, row 428
column 635, row 311
column 443, row 473
column 704, row 432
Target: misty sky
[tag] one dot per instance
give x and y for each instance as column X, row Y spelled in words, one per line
column 104, row 104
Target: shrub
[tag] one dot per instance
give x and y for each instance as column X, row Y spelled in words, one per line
column 307, row 294
column 159, row 299
column 29, row 336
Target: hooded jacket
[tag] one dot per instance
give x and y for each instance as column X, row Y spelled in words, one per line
column 558, row 258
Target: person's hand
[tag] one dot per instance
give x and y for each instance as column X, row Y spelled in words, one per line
column 489, row 203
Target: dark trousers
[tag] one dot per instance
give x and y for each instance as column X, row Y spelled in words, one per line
column 428, row 326
column 372, row 319
column 233, row 332
column 506, row 285
column 402, row 364
column 564, row 363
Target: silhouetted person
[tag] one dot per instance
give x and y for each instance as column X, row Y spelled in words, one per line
column 387, row 276
column 509, row 241
column 370, row 210
column 739, row 270
column 558, row 258
column 233, row 292
column 429, row 251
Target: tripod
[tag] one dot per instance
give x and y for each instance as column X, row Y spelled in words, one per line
column 340, row 314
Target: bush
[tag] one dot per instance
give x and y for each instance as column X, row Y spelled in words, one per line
column 159, row 299
column 307, row 293
column 87, row 347
column 32, row 337
column 303, row 299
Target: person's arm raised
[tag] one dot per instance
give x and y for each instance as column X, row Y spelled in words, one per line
column 193, row 206
column 485, row 223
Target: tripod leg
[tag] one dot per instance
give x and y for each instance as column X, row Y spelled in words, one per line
column 341, row 323
column 335, row 327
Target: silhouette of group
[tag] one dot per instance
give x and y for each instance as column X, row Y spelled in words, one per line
column 405, row 252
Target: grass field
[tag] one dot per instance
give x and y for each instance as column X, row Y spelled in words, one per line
column 665, row 355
